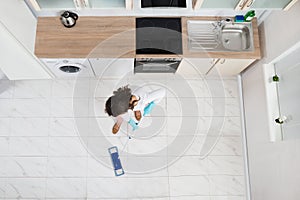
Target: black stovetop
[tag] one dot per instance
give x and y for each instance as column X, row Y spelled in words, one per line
column 158, row 36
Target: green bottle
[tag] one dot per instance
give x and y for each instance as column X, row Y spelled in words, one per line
column 249, row 15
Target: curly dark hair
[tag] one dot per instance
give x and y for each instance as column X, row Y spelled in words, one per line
column 119, row 102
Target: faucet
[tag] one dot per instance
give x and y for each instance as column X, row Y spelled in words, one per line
column 223, row 21
column 218, row 25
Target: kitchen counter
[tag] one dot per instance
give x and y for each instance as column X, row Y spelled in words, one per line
column 108, row 37
column 90, row 37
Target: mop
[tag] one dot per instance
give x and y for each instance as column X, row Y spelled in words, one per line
column 113, row 151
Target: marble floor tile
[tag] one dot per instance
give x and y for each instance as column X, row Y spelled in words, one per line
column 63, row 126
column 203, row 88
column 145, row 166
column 228, row 126
column 188, row 125
column 33, row 89
column 189, row 145
column 37, row 107
column 66, row 146
column 63, row 88
column 22, row 188
column 67, row 167
column 190, row 198
column 222, row 88
column 228, row 146
column 66, row 188
column 147, row 146
column 69, row 107
column 98, row 167
column 26, row 167
column 4, row 146
column 106, row 188
column 189, row 107
column 30, row 126
column 192, row 88
column 127, row 187
column 28, row 146
column 3, row 166
column 145, row 187
column 104, row 88
column 189, row 185
column 228, row 197
column 98, row 146
column 5, row 126
column 226, row 165
column 188, row 165
column 6, row 107
column 2, row 188
column 226, row 185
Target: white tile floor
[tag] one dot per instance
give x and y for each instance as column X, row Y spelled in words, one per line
column 54, row 137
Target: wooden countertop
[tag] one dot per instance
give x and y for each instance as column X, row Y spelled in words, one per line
column 109, row 37
column 90, row 37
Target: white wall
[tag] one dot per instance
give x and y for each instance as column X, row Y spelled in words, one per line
column 17, row 39
column 273, row 167
column 15, row 15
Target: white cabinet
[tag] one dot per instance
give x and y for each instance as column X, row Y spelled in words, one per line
column 243, row 4
column 194, row 67
column 216, row 4
column 229, row 67
column 57, row 5
column 269, row 4
column 112, row 67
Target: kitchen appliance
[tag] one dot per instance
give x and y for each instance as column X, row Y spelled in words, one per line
column 156, row 65
column 163, row 3
column 68, row 19
column 69, row 68
column 158, row 36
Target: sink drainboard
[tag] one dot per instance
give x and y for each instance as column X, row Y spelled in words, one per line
column 202, row 35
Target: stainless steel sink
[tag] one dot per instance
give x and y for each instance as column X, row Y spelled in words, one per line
column 219, row 36
column 235, row 37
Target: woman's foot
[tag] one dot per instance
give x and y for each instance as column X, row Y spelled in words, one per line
column 138, row 115
column 115, row 128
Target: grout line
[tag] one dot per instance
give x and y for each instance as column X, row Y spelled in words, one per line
column 49, row 132
column 244, row 139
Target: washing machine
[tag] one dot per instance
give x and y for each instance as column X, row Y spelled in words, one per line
column 69, row 68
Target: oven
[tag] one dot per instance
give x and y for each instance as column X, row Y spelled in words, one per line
column 156, row 65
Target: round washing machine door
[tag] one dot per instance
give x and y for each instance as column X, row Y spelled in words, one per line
column 70, row 69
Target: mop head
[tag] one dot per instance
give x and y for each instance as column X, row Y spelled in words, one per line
column 114, row 154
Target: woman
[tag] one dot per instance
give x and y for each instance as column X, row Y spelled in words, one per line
column 123, row 102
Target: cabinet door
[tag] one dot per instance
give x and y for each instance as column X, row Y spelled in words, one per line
column 194, row 67
column 76, row 4
column 56, row 4
column 230, row 67
column 228, row 4
column 107, row 4
column 112, row 67
column 268, row 4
